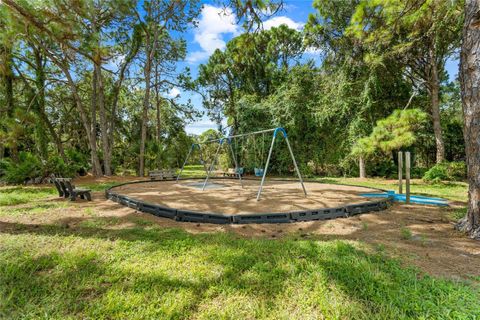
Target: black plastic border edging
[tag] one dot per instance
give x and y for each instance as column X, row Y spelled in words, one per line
column 268, row 217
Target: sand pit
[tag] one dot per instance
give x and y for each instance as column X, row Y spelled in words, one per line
column 227, row 196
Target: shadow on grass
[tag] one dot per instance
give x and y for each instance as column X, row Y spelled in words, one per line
column 58, row 271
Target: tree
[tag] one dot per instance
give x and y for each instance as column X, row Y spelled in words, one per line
column 421, row 34
column 393, row 133
column 252, row 64
column 161, row 18
column 470, row 78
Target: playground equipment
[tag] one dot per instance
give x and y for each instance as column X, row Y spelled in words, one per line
column 228, row 140
column 407, row 197
column 229, row 202
column 232, row 200
column 403, row 198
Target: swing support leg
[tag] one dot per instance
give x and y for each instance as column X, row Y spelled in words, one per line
column 236, row 164
column 212, row 165
column 201, row 159
column 296, row 167
column 265, row 170
column 185, row 162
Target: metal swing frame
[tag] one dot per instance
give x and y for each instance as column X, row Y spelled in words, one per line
column 192, row 148
column 229, row 140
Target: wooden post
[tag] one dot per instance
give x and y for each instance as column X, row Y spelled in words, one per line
column 400, row 170
column 407, row 177
column 361, row 166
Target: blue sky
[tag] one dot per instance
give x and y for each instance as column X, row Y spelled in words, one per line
column 216, row 27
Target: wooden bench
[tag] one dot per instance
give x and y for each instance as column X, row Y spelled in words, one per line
column 61, row 193
column 66, row 189
column 162, row 174
column 231, row 172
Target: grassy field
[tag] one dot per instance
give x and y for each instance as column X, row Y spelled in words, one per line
column 101, row 270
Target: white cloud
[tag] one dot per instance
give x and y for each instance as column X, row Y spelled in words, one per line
column 174, row 92
column 202, row 126
column 278, row 21
column 114, row 63
column 213, row 24
column 313, row 51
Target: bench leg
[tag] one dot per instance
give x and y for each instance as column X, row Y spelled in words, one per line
column 88, row 196
column 73, row 197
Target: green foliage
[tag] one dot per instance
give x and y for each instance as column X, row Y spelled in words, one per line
column 366, row 56
column 252, row 64
column 406, row 233
column 446, row 171
column 27, row 167
column 395, row 132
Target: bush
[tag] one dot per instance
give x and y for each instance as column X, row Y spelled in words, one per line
column 446, row 171
column 457, row 170
column 27, row 167
column 56, row 165
column 79, row 162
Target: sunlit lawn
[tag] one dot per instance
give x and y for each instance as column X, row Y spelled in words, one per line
column 144, row 271
column 147, row 272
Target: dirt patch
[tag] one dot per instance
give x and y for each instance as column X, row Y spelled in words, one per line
column 422, row 235
column 233, row 197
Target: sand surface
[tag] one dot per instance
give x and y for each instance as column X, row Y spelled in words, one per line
column 228, row 196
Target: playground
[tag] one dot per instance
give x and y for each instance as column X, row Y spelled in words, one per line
column 274, row 159
column 83, row 257
column 229, row 197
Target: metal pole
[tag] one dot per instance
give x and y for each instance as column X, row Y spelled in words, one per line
column 211, row 166
column 240, row 135
column 236, row 164
column 296, row 167
column 184, row 163
column 201, row 159
column 400, row 171
column 407, row 177
column 265, row 170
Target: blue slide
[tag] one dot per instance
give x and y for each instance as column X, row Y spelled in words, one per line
column 413, row 198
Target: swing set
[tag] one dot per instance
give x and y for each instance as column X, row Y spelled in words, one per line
column 258, row 156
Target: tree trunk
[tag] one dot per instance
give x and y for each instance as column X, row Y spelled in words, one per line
column 96, row 166
column 107, row 161
column 6, row 74
column 159, row 115
column 470, row 80
column 361, row 165
column 150, row 48
column 41, row 127
column 146, row 103
column 435, row 101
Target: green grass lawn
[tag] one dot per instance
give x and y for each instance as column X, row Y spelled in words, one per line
column 18, row 195
column 143, row 271
column 148, row 272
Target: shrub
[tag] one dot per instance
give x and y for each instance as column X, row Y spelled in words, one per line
column 56, row 165
column 450, row 171
column 457, row 170
column 78, row 161
column 27, row 167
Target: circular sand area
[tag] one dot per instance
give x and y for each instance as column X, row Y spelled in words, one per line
column 227, row 196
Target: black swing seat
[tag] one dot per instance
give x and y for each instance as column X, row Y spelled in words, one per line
column 66, row 189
